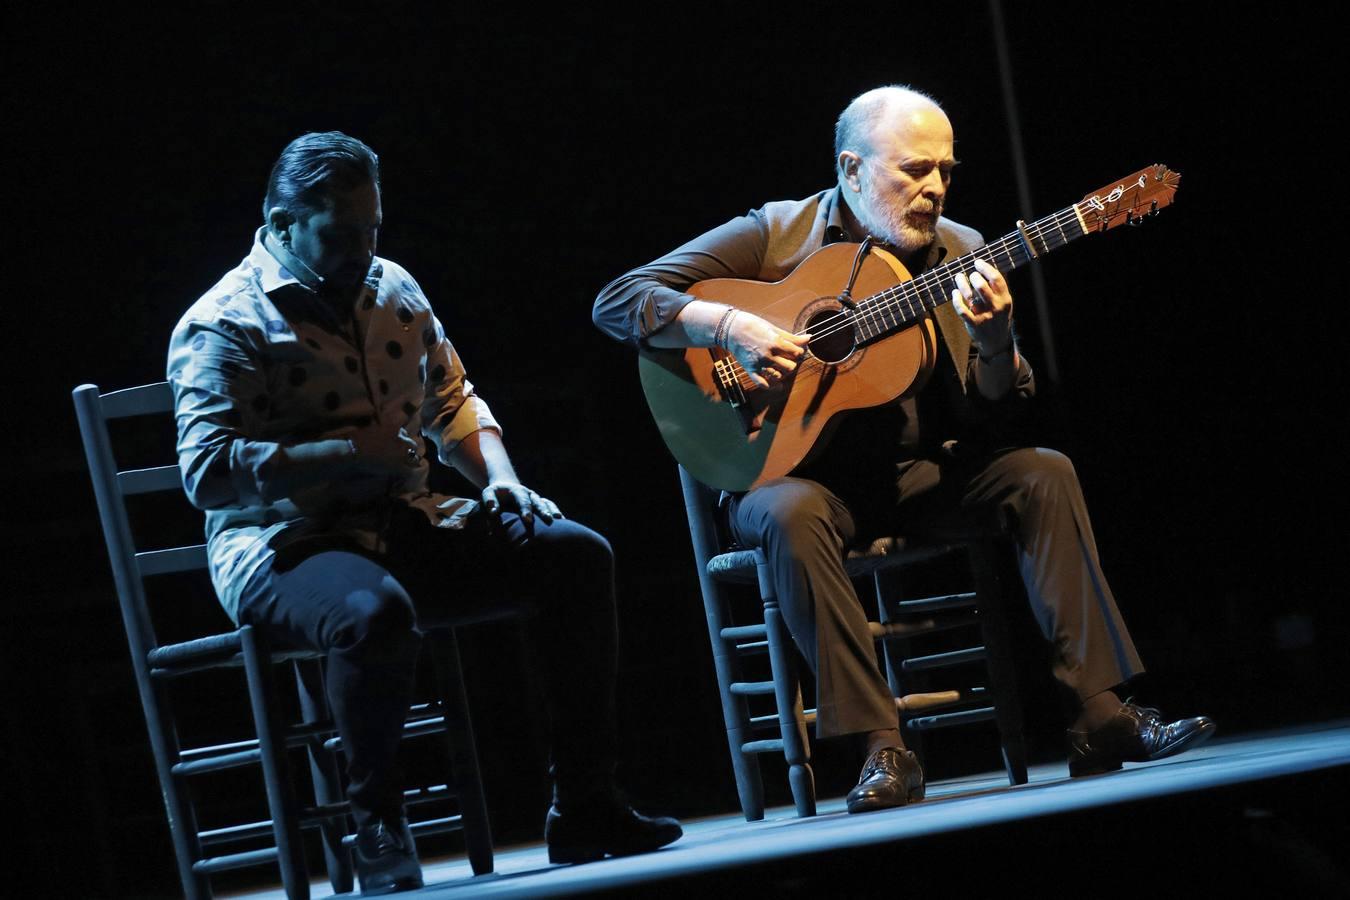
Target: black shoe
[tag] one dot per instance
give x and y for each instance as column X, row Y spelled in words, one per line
column 588, row 830
column 1134, row 734
column 890, row 777
column 386, row 858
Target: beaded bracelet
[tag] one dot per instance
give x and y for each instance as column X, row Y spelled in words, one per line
column 723, row 330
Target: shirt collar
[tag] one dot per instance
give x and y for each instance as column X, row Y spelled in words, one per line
column 273, row 275
column 269, row 271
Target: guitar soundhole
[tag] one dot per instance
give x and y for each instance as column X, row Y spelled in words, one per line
column 832, row 331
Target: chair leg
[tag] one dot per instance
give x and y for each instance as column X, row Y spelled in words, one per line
column 323, row 770
column 1002, row 673
column 280, row 794
column 788, row 695
column 463, row 750
column 182, row 817
column 736, row 714
column 886, row 583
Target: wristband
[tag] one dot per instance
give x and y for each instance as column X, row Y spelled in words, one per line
column 723, row 330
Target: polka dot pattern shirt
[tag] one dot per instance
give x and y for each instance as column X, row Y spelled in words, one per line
column 261, row 362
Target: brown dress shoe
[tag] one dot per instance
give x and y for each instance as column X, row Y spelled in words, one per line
column 1134, row 734
column 890, row 777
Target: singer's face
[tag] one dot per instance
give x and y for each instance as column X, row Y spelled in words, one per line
column 338, row 242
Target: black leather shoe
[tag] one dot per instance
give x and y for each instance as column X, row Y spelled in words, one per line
column 890, row 777
column 588, row 830
column 1134, row 734
column 386, row 858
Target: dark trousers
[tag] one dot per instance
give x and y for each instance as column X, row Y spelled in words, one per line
column 367, row 612
column 1029, row 495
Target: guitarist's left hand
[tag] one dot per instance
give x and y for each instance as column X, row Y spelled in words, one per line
column 985, row 306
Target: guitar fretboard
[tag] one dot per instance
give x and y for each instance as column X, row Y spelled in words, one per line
column 902, row 305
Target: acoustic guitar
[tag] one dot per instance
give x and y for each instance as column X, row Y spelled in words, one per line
column 734, row 435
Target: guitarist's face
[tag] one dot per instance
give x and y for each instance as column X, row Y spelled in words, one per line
column 901, row 183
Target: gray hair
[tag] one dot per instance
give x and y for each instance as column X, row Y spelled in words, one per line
column 853, row 130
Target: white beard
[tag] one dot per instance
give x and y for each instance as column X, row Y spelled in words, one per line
column 895, row 226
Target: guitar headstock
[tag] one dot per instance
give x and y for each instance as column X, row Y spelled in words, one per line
column 1128, row 200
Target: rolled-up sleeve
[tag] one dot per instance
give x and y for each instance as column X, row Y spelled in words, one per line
column 641, row 302
column 452, row 410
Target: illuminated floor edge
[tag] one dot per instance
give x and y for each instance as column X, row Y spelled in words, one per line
column 726, row 842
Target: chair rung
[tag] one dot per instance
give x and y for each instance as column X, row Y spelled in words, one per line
column 896, row 631
column 771, row 746
column 913, row 703
column 437, row 826
column 421, row 829
column 312, row 816
column 410, row 729
column 935, row 604
column 751, row 688
column 965, row 717
column 145, row 481
column 808, row 716
column 235, row 861
column 218, row 763
column 743, row 632
column 753, row 647
column 174, row 559
column 296, row 736
column 938, row 660
column 236, row 833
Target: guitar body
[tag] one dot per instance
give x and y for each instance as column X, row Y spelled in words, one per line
column 771, row 431
column 733, row 435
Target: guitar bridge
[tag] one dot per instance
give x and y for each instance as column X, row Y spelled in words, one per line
column 724, row 373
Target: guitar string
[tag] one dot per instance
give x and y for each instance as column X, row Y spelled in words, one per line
column 918, row 294
column 919, row 290
column 917, row 287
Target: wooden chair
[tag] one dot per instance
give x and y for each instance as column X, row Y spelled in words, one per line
column 899, row 620
column 157, row 664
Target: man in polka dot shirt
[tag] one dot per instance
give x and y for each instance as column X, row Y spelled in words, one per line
column 303, row 382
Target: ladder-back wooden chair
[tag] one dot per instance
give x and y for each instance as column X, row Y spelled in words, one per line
column 899, row 621
column 197, row 851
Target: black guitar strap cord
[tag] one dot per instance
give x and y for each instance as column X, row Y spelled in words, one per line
column 846, row 296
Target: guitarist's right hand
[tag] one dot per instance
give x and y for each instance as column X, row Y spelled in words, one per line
column 766, row 352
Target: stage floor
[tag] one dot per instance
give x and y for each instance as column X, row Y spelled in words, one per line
column 720, row 849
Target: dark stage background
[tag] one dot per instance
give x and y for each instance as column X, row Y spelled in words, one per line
column 528, row 160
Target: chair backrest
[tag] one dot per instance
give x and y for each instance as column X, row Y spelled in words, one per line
column 111, row 488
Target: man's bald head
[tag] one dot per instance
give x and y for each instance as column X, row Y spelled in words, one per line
column 893, row 157
column 858, row 121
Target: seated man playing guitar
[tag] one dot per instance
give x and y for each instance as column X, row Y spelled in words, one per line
column 926, row 457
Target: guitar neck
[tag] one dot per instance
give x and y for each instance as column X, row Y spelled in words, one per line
column 900, row 306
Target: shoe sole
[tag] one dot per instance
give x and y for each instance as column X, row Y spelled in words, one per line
column 592, row 853
column 913, row 797
column 1194, row 739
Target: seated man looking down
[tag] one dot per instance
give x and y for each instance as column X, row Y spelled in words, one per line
column 932, row 463
column 304, row 382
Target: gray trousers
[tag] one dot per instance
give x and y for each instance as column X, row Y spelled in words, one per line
column 1029, row 495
